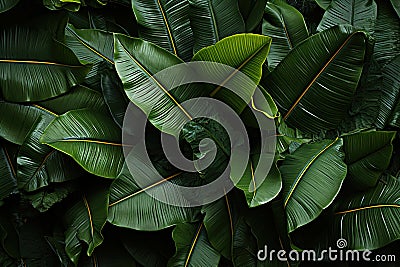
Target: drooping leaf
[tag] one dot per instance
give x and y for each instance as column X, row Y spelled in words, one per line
column 44, row 199
column 165, row 23
column 327, row 67
column 7, row 5
column 37, row 69
column 212, row 21
column 85, row 221
column 312, row 177
column 244, row 245
column 359, row 13
column 367, row 156
column 252, row 12
column 92, row 139
column 193, row 247
column 369, row 220
column 287, row 28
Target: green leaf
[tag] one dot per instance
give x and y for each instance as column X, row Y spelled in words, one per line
column 214, row 20
column 114, row 96
column 257, row 194
column 8, row 184
column 324, row 4
column 327, row 67
column 6, row 5
column 85, row 221
column 359, row 13
column 132, row 207
column 367, row 157
column 165, row 23
column 93, row 46
column 70, row 5
column 252, row 12
column 36, row 70
column 244, row 245
column 245, row 53
column 396, row 6
column 369, row 220
column 193, row 247
column 46, row 198
column 312, row 177
column 92, row 139
column 287, row 28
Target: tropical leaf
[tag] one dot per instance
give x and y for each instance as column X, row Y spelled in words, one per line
column 132, row 207
column 312, row 177
column 257, row 194
column 92, row 139
column 46, row 198
column 367, row 157
column 324, row 4
column 287, row 28
column 252, row 12
column 390, row 96
column 70, row 5
column 247, row 54
column 93, row 46
column 396, row 6
column 369, row 220
column 46, row 68
column 8, row 184
column 244, row 245
column 114, row 96
column 212, row 21
column 359, row 13
column 193, row 247
column 165, row 23
column 7, row 5
column 327, row 67
column 85, row 221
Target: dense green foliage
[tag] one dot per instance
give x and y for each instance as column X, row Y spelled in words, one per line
column 329, row 69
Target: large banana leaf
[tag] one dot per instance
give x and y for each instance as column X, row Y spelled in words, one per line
column 244, row 245
column 38, row 164
column 36, row 70
column 247, row 53
column 312, row 177
column 8, row 181
column 214, row 20
column 287, row 28
column 92, row 139
column 193, row 247
column 359, row 13
column 165, row 23
column 260, row 194
column 369, row 220
column 367, row 157
column 93, row 46
column 7, row 5
column 132, row 207
column 85, row 221
column 327, row 68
